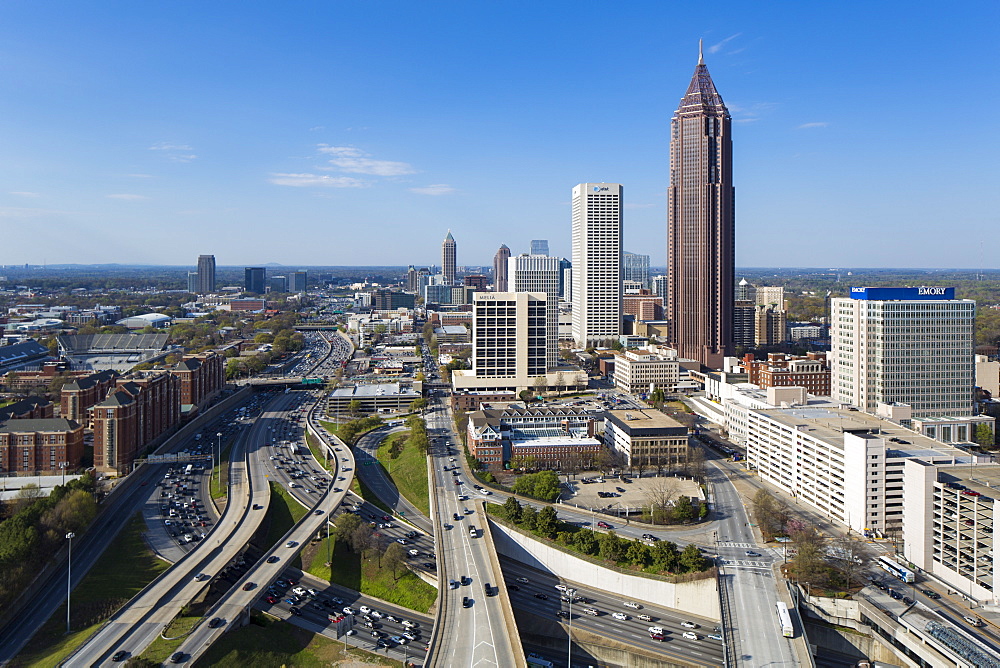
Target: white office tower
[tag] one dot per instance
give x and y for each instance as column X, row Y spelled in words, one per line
column 509, row 335
column 597, row 263
column 540, row 273
column 910, row 346
column 660, row 286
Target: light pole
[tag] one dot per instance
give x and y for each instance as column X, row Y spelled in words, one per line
column 571, row 594
column 63, row 465
column 69, row 570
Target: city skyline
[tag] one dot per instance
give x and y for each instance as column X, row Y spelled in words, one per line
column 324, row 124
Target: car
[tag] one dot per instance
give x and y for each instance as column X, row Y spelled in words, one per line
column 295, row 611
column 714, row 636
column 249, row 585
column 177, row 657
column 513, row 587
column 689, row 625
column 688, row 635
column 200, row 577
column 273, row 559
column 645, row 618
column 466, row 602
column 621, row 616
column 656, row 629
column 318, row 512
column 561, row 587
column 446, row 526
column 409, row 635
column 523, row 580
column 466, row 580
column 349, row 611
column 291, row 543
column 271, row 599
column 120, row 655
column 649, row 537
column 414, row 552
column 974, row 621
column 751, row 553
column 930, row 594
column 593, row 612
column 216, row 622
column 453, row 584
column 542, row 596
column 430, row 565
column 410, row 625
column 604, row 525
column 391, row 618
column 633, row 605
column 562, row 614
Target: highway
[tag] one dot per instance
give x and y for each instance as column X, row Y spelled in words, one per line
column 475, row 635
column 143, row 618
column 86, row 551
column 526, row 598
column 379, row 482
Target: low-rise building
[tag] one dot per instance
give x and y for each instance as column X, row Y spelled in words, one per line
column 372, row 398
column 782, row 370
column 638, row 371
column 31, row 408
column 535, row 437
column 79, row 395
column 47, row 445
column 646, row 437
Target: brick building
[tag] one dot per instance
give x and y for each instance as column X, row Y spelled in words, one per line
column 142, row 407
column 644, row 306
column 782, row 370
column 40, row 445
column 201, row 377
column 540, row 438
column 79, row 395
column 32, row 408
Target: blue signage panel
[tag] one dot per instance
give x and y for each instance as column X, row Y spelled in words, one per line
column 926, row 293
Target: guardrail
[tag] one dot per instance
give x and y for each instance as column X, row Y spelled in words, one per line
column 508, row 610
column 726, row 615
column 442, row 574
column 180, row 566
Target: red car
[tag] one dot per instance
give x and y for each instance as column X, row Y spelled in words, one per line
column 271, row 599
column 248, row 586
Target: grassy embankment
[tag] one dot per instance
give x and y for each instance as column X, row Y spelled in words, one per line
column 126, row 566
column 407, row 467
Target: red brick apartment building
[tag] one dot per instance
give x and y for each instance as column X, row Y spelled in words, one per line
column 782, row 370
column 201, row 377
column 39, row 446
column 78, row 396
column 142, row 407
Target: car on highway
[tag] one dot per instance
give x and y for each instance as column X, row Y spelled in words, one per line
column 271, row 599
column 272, row 559
column 649, row 537
column 348, row 610
column 632, row 604
column 410, row 635
column 295, row 611
column 523, row 580
column 593, row 612
column 930, row 594
column 216, row 622
column 688, row 635
column 974, row 621
column 752, row 553
column 414, row 553
column 466, row 602
column 291, row 543
column 318, row 512
column 604, row 525
column 120, row 655
column 645, row 618
column 620, row 616
column 248, row 586
column 714, row 636
column 657, row 636
column 540, row 595
column 177, row 657
column 689, row 625
column 408, row 624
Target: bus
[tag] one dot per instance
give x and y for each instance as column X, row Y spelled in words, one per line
column 187, row 469
column 784, row 620
column 894, row 569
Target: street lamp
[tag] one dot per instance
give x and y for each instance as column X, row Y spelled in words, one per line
column 69, row 570
column 571, row 594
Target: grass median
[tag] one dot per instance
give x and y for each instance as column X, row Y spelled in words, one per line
column 368, row 577
column 407, row 467
column 126, row 566
column 219, row 486
column 282, row 514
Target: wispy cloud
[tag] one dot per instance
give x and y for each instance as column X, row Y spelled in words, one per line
column 126, row 196
column 139, row 176
column 175, row 152
column 435, row 189
column 752, row 112
column 806, row 126
column 321, row 180
column 22, row 193
column 356, row 161
column 715, row 48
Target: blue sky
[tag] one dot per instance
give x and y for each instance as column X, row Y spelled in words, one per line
column 358, row 133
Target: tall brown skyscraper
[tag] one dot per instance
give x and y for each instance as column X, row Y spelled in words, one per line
column 701, row 224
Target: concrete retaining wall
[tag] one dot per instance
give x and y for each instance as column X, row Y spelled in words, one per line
column 698, row 598
column 508, row 611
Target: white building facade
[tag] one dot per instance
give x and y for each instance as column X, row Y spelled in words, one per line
column 540, row 273
column 909, row 346
column 597, row 262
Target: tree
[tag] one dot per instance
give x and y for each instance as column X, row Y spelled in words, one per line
column 691, row 560
column 547, row 522
column 684, row 511
column 344, row 527
column 354, row 407
column 529, row 516
column 418, row 404
column 851, row 557
column 540, row 384
column 395, row 559
column 985, row 436
column 524, row 395
column 586, row 541
column 512, row 509
column 660, row 496
column 611, row 547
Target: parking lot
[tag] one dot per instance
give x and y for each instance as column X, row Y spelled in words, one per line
column 621, row 494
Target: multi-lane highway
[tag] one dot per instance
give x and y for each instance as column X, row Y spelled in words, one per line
column 534, row 592
column 473, row 631
column 140, row 621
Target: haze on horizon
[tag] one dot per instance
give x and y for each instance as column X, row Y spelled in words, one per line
column 355, row 134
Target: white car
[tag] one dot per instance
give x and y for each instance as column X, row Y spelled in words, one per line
column 656, row 629
column 291, row 543
column 408, row 624
column 688, row 635
column 689, row 625
column 365, row 609
column 561, row 587
column 620, row 616
column 632, row 604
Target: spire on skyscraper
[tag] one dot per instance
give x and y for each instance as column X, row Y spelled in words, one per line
column 701, row 54
column 701, row 91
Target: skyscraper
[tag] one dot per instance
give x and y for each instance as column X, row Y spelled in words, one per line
column 298, row 281
column 255, row 279
column 509, row 335
column 206, row 274
column 448, row 259
column 636, row 268
column 701, row 224
column 540, row 273
column 597, row 262
column 192, row 282
column 909, row 346
column 500, row 269
column 539, row 246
